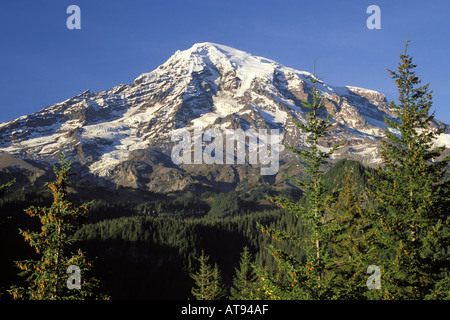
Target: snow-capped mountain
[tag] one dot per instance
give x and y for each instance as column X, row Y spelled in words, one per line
column 122, row 136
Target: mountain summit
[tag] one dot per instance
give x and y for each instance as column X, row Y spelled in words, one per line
column 122, row 136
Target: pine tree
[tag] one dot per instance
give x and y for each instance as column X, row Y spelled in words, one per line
column 410, row 217
column 48, row 277
column 244, row 279
column 208, row 283
column 307, row 279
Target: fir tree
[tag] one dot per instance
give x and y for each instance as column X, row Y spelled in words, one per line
column 410, row 235
column 244, row 279
column 219, row 291
column 6, row 186
column 265, row 286
column 348, row 242
column 307, row 279
column 208, row 283
column 3, row 189
column 48, row 277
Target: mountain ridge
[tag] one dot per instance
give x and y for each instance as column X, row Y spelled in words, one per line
column 122, row 136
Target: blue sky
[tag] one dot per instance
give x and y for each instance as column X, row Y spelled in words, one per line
column 42, row 62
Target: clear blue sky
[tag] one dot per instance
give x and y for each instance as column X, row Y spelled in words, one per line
column 42, row 62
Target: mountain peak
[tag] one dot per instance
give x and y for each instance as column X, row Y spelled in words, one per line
column 208, row 45
column 224, row 59
column 122, row 136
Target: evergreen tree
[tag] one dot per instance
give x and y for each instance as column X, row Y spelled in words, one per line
column 265, row 286
column 307, row 279
column 244, row 279
column 3, row 189
column 6, row 186
column 3, row 222
column 48, row 277
column 202, row 279
column 410, row 215
column 348, row 243
column 208, row 283
column 219, row 291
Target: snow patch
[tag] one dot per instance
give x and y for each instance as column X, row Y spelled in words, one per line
column 443, row 140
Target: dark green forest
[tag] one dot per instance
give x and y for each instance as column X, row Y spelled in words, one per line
column 148, row 249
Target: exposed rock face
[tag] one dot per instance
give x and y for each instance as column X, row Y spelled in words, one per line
column 122, row 136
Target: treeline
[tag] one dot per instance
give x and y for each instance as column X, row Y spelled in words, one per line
column 148, row 257
column 149, row 250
